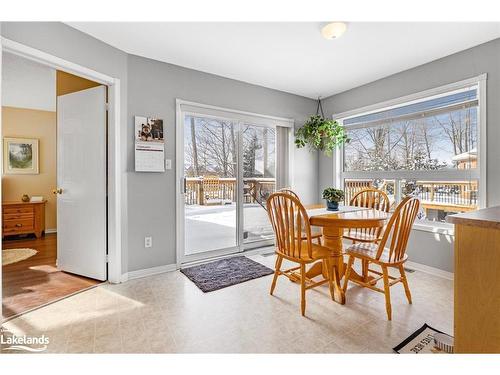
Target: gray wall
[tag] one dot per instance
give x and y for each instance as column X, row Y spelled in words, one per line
column 431, row 249
column 153, row 88
column 428, row 248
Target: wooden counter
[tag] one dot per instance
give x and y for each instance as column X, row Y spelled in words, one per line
column 486, row 218
column 477, row 281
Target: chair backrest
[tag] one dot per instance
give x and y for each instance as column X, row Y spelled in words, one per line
column 399, row 228
column 371, row 198
column 290, row 191
column 374, row 199
column 211, row 187
column 291, row 226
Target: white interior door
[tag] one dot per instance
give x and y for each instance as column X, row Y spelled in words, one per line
column 81, row 178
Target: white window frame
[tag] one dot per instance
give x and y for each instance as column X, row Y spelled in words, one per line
column 283, row 178
column 479, row 173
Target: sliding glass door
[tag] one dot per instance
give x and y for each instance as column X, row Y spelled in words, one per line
column 259, row 180
column 210, row 185
column 229, row 170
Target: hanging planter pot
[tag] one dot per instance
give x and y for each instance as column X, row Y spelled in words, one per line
column 320, row 134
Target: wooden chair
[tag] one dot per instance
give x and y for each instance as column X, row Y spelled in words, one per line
column 368, row 198
column 316, row 233
column 289, row 219
column 394, row 256
column 211, row 190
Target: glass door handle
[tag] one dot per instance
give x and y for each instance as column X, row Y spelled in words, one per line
column 183, row 185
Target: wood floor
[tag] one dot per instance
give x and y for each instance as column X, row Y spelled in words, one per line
column 36, row 281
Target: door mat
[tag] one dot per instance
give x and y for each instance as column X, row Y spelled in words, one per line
column 426, row 340
column 225, row 272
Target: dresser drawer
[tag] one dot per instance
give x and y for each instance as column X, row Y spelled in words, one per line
column 18, row 224
column 18, row 210
column 28, row 215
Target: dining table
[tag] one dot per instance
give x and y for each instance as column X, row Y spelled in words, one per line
column 333, row 224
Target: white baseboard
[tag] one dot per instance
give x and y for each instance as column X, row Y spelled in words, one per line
column 49, row 231
column 148, row 272
column 430, row 270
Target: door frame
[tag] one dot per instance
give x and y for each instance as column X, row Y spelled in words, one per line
column 116, row 219
column 179, row 173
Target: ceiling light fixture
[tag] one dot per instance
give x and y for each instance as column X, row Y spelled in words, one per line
column 333, row 30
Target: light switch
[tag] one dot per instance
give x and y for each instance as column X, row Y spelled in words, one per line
column 168, row 164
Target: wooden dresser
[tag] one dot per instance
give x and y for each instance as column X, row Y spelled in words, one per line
column 23, row 218
column 477, row 281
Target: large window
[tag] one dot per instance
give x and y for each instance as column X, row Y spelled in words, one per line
column 426, row 147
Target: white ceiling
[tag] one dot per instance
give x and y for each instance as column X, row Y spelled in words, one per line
column 293, row 57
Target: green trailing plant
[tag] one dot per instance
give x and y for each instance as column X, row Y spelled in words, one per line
column 320, row 134
column 333, row 195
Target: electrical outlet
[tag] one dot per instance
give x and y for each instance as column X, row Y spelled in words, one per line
column 148, row 241
column 168, row 164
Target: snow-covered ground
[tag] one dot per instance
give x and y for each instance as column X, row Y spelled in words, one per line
column 214, row 227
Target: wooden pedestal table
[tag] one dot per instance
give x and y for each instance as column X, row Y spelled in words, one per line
column 334, row 224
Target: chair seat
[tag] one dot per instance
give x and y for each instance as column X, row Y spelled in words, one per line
column 359, row 236
column 317, row 252
column 368, row 251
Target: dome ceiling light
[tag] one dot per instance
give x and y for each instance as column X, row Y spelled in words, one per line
column 333, row 30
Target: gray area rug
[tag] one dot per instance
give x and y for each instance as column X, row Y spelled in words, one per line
column 225, row 272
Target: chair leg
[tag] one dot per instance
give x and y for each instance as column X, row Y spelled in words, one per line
column 277, row 268
column 405, row 283
column 303, row 289
column 330, row 277
column 348, row 272
column 364, row 267
column 385, row 273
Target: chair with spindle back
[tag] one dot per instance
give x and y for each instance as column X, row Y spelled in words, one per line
column 290, row 222
column 211, row 190
column 316, row 233
column 368, row 198
column 394, row 256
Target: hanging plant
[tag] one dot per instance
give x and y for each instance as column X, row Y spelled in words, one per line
column 320, row 134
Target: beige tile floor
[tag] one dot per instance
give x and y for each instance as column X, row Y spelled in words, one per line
column 168, row 314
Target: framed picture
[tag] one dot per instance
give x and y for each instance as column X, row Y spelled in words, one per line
column 20, row 156
column 148, row 129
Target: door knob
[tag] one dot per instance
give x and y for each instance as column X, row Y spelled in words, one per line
column 57, row 191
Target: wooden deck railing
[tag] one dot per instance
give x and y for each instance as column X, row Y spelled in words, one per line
column 210, row 190
column 453, row 196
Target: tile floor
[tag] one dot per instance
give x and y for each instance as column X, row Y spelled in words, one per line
column 167, row 313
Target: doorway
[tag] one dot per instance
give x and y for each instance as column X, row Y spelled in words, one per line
column 229, row 162
column 50, row 248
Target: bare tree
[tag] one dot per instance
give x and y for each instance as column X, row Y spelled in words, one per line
column 458, row 127
column 196, row 169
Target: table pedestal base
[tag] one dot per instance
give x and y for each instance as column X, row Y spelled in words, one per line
column 332, row 238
